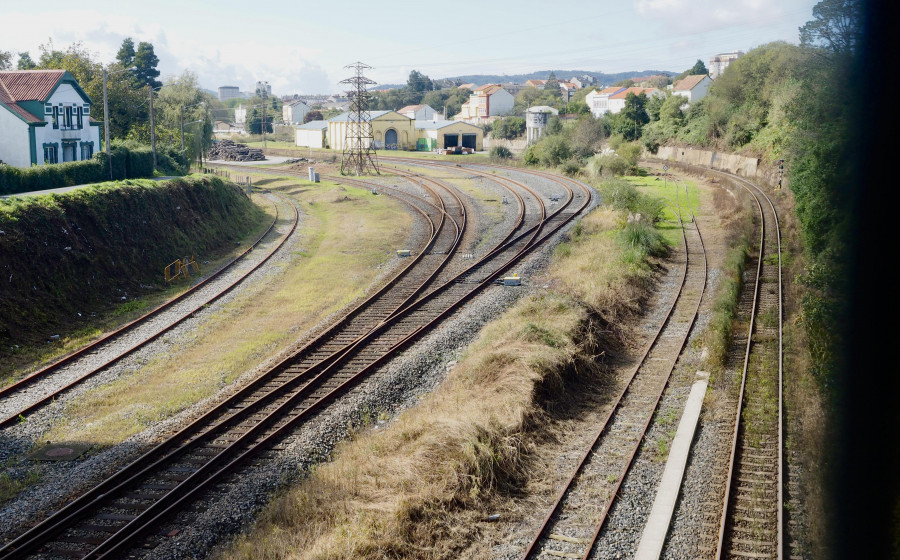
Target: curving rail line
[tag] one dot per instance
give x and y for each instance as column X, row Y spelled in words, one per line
column 747, row 518
column 752, row 521
column 50, row 370
column 607, row 460
column 118, row 512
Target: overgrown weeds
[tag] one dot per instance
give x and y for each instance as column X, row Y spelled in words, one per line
column 400, row 491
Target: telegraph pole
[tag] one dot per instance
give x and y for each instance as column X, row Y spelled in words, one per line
column 152, row 130
column 106, row 126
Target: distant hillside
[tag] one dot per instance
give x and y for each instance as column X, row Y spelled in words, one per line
column 603, row 78
column 481, row 79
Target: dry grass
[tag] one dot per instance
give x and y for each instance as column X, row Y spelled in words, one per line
column 597, row 273
column 347, row 234
column 400, row 492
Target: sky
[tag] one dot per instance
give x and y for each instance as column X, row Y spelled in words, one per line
column 304, row 47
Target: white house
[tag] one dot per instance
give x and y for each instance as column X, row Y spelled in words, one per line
column 313, row 134
column 294, row 112
column 45, row 117
column 598, row 101
column 692, row 87
column 419, row 112
column 489, row 100
column 617, row 100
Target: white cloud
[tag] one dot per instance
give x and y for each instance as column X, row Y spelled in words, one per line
column 701, row 16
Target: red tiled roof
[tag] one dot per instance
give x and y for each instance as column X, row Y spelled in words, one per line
column 409, row 108
column 635, row 90
column 27, row 85
column 688, row 83
column 30, row 85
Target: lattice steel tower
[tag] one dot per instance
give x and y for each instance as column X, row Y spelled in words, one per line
column 359, row 144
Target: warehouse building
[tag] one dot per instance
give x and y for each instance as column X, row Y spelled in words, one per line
column 393, row 131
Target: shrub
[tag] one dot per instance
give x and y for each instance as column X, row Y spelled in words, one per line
column 499, row 153
column 571, row 167
column 130, row 163
column 622, row 195
column 607, row 166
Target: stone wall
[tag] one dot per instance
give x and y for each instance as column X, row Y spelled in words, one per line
column 516, row 146
column 739, row 165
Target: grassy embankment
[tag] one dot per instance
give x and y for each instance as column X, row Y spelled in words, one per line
column 83, row 262
column 401, row 491
column 348, row 235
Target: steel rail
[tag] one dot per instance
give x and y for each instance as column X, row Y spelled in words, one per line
column 36, row 375
column 51, row 396
column 530, row 550
column 755, row 192
column 384, row 357
column 70, row 513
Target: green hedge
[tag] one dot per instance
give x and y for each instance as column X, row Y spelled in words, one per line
column 127, row 163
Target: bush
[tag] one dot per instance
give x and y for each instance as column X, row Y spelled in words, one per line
column 607, row 166
column 508, row 128
column 499, row 153
column 622, row 195
column 571, row 167
column 128, row 163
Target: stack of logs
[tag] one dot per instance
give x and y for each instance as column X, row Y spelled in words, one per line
column 228, row 150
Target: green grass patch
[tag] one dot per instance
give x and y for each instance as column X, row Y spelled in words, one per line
column 347, row 235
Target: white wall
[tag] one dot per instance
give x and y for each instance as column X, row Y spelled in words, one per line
column 14, row 146
column 309, row 138
column 501, row 103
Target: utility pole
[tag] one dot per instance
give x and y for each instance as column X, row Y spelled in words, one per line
column 152, row 129
column 106, row 117
column 181, row 114
column 106, row 126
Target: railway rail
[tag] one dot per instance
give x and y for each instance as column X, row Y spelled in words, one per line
column 574, row 521
column 743, row 517
column 752, row 514
column 50, row 382
column 121, row 512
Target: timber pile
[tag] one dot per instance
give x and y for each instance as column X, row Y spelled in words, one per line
column 228, row 150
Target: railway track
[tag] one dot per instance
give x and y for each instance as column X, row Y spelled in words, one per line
column 121, row 512
column 743, row 516
column 751, row 524
column 50, row 382
column 574, row 522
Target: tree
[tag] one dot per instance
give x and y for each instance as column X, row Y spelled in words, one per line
column 25, row 62
column 634, row 116
column 552, row 86
column 5, row 60
column 659, row 82
column 125, row 56
column 419, row 82
column 835, row 26
column 314, row 115
column 182, row 101
column 698, row 68
column 509, row 128
column 627, row 82
column 145, row 61
column 254, row 122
